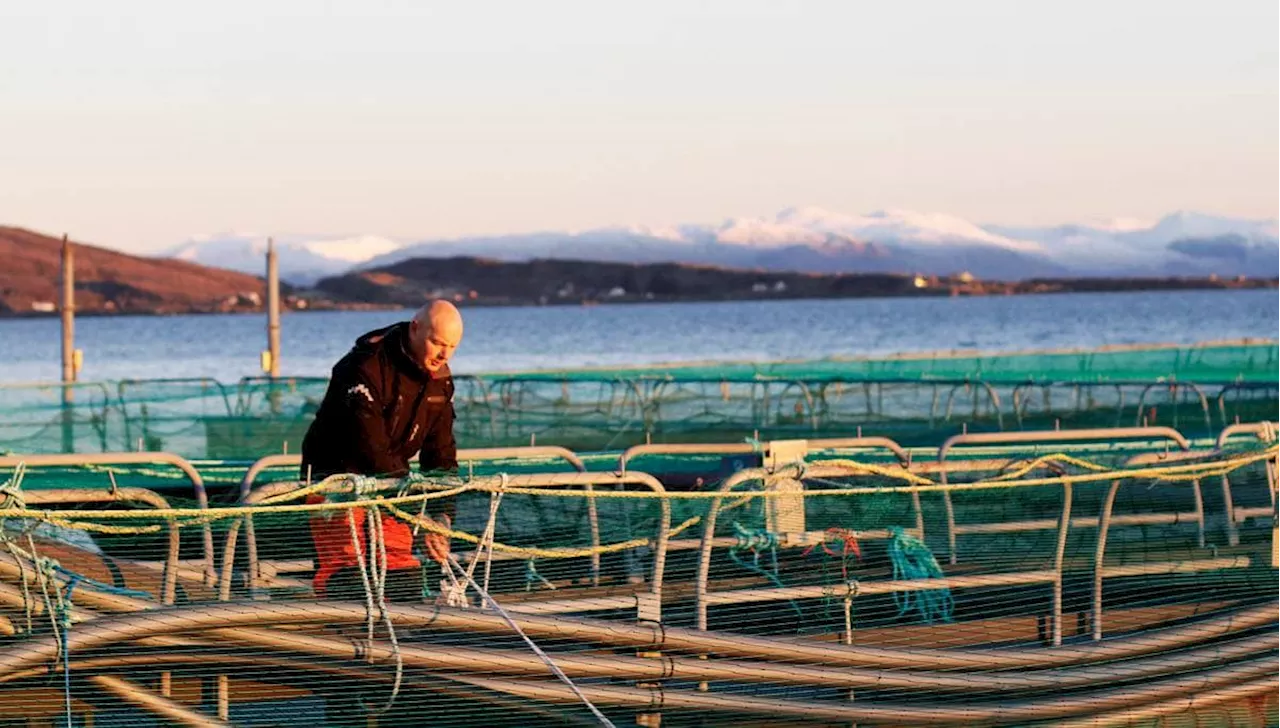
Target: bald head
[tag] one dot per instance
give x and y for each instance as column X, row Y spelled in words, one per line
column 434, row 333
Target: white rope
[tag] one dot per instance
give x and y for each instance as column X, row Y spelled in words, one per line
column 455, row 594
column 374, row 579
column 486, row 543
column 536, row 650
column 11, row 491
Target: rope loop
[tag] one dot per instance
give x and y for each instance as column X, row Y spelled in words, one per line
column 11, row 497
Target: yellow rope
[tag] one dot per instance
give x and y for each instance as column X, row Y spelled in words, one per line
column 910, row 482
column 563, row 552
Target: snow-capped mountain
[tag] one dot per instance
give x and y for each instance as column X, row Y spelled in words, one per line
column 303, row 259
column 812, row 239
column 1183, row 243
column 806, row 239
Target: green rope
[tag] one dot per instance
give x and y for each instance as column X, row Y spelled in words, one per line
column 756, row 540
column 912, row 559
column 531, row 576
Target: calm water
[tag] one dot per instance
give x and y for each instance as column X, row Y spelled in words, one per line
column 226, row 347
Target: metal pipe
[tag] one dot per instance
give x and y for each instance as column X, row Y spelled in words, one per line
column 68, row 317
column 456, row 659
column 965, row 714
column 281, row 460
column 711, row 448
column 169, row 580
column 518, row 481
column 1046, row 436
column 1064, row 525
column 194, row 618
column 132, row 458
column 1037, row 436
column 1193, row 701
column 273, row 310
column 850, row 443
column 1046, row 524
column 858, row 588
column 1266, row 433
column 251, row 660
column 154, row 704
column 10, row 567
column 1104, row 524
column 702, row 575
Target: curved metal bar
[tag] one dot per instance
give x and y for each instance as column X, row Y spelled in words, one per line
column 513, row 453
column 169, row 580
column 727, row 448
column 1040, row 436
column 229, row 622
column 256, row 659
column 464, row 455
column 1142, row 400
column 1265, row 432
column 995, row 403
column 1064, row 525
column 1204, row 402
column 115, row 629
column 1104, row 524
column 585, row 479
column 702, row 576
column 842, row 443
column 904, row 459
column 133, row 458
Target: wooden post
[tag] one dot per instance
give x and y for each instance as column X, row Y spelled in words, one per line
column 68, row 307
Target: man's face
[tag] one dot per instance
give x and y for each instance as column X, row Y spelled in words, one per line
column 437, row 344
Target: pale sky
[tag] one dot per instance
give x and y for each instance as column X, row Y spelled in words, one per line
column 139, row 124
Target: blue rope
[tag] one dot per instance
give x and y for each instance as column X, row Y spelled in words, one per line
column 73, row 578
column 531, row 573
column 912, row 559
column 64, row 619
column 755, row 540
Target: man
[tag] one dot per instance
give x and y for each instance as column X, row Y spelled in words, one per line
column 389, row 398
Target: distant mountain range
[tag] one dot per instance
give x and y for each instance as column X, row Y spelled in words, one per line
column 816, row 241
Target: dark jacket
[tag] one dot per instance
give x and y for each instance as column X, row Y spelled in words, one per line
column 380, row 410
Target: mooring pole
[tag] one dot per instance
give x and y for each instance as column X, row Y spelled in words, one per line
column 68, row 344
column 273, row 310
column 271, row 363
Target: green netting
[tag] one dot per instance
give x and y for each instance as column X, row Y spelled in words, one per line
column 845, row 589
column 916, row 400
column 1202, row 363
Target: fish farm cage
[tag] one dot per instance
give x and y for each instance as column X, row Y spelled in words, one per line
column 1046, row 556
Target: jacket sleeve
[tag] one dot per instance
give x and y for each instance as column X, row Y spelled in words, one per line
column 362, row 407
column 439, row 450
column 440, row 453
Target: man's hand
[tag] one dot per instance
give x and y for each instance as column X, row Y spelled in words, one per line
column 437, row 544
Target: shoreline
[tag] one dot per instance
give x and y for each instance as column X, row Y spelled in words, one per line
column 1046, row 287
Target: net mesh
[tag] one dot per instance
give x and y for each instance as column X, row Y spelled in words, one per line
column 918, row 400
column 1124, row 576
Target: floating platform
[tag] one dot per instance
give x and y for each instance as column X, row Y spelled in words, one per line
column 1106, row 576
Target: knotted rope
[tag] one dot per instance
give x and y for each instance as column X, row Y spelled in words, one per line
column 912, row 559
column 757, row 540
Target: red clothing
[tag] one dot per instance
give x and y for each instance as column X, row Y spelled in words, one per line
column 334, row 550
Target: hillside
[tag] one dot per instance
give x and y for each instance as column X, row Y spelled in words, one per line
column 484, row 281
column 112, row 282
column 813, row 240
